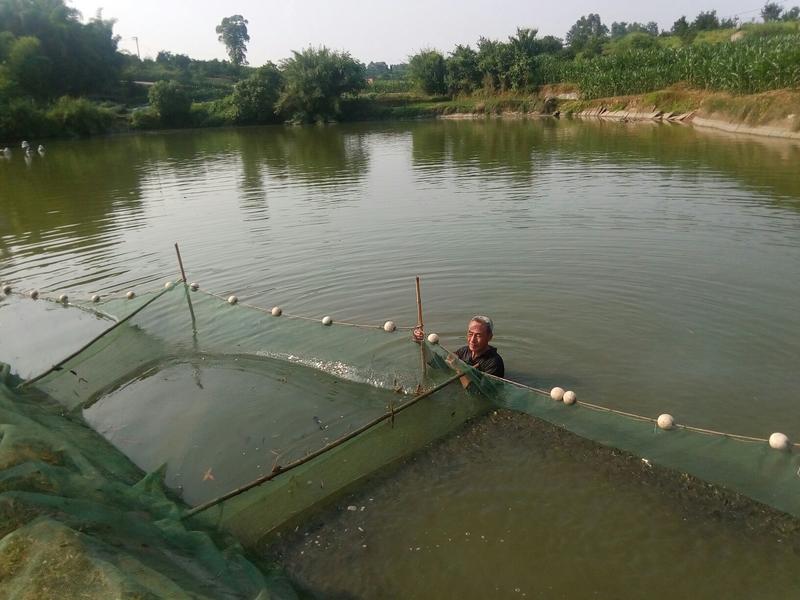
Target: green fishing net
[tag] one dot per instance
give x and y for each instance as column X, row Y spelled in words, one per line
column 253, row 419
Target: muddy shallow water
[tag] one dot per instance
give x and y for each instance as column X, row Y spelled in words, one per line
column 514, row 507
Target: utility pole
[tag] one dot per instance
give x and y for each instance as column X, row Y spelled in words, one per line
column 136, row 39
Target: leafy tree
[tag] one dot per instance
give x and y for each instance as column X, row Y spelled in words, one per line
column 524, row 47
column 587, row 35
column 28, row 67
column 427, row 70
column 462, row 75
column 399, row 71
column 618, row 29
column 83, row 57
column 638, row 40
column 550, row 44
column 377, row 69
column 315, row 80
column 233, row 33
column 622, row 29
column 6, row 41
column 178, row 61
column 682, row 29
column 706, row 21
column 254, row 98
column 524, row 42
column 793, row 14
column 771, row 12
column 494, row 62
column 170, row 102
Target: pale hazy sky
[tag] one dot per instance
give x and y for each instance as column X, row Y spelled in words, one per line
column 379, row 30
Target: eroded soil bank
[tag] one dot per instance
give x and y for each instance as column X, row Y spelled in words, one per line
column 772, row 114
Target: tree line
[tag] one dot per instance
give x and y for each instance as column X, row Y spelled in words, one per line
column 60, row 75
column 525, row 61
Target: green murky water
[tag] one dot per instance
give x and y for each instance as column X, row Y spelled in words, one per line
column 650, row 268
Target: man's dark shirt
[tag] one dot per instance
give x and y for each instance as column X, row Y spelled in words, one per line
column 488, row 362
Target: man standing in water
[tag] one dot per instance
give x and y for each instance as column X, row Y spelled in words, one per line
column 478, row 353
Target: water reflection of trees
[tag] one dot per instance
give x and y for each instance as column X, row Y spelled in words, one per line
column 315, row 154
column 331, row 157
column 75, row 187
column 762, row 164
column 515, row 148
column 510, row 145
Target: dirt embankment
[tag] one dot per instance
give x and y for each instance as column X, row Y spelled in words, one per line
column 774, row 114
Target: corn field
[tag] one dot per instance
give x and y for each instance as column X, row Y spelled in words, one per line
column 743, row 67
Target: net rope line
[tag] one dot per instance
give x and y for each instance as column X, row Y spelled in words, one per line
column 589, row 405
column 279, row 470
column 85, row 308
column 49, row 297
column 120, row 296
column 304, row 318
column 598, row 408
column 103, row 333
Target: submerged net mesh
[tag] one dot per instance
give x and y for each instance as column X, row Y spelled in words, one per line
column 78, row 520
column 258, row 418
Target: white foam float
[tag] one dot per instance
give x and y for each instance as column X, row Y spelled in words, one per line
column 276, row 311
column 326, row 320
column 194, row 286
column 232, row 299
column 130, row 295
column 169, row 285
column 665, row 421
column 389, row 326
column 557, row 394
column 779, row 441
column 433, row 338
column 570, row 397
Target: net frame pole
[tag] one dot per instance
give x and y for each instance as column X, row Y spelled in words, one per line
column 180, row 262
column 423, row 366
column 186, row 289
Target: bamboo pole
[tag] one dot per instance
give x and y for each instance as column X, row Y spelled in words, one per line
column 419, row 306
column 421, row 326
column 186, row 289
column 180, row 262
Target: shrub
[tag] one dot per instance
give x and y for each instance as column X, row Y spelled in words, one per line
column 145, row 118
column 79, row 117
column 254, row 98
column 427, row 70
column 216, row 113
column 316, row 79
column 21, row 118
column 171, row 102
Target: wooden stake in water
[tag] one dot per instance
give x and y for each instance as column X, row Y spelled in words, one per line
column 421, row 327
column 180, row 262
column 186, row 290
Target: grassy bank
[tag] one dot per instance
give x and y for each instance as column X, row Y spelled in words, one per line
column 410, row 106
column 78, row 117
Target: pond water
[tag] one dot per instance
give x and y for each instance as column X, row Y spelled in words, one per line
column 651, row 268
